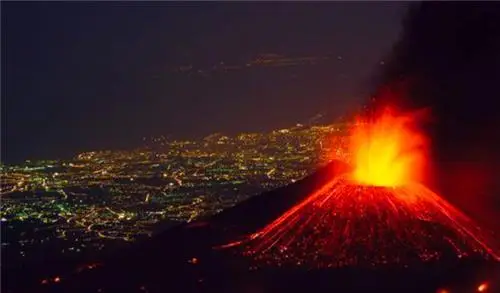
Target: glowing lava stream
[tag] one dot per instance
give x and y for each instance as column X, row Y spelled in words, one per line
column 379, row 214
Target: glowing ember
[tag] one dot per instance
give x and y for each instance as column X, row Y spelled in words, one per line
column 380, row 214
column 388, row 152
column 483, row 287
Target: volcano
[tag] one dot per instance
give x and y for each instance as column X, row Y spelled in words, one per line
column 376, row 214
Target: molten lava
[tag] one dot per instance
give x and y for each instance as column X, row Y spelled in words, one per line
column 379, row 214
column 387, row 152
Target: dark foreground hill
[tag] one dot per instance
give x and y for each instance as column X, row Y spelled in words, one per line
column 184, row 260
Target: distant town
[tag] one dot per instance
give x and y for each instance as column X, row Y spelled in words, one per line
column 266, row 60
column 101, row 199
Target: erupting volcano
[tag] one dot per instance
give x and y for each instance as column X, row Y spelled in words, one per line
column 380, row 213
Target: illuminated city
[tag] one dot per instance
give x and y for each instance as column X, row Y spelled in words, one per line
column 105, row 198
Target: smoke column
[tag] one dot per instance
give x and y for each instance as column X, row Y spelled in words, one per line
column 447, row 60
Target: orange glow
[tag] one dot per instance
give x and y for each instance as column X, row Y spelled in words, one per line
column 194, row 261
column 483, row 287
column 443, row 291
column 388, row 151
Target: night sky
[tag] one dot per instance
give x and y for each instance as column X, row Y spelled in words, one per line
column 86, row 76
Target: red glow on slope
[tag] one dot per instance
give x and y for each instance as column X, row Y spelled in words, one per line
column 344, row 223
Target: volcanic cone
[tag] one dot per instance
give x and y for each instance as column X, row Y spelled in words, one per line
column 378, row 214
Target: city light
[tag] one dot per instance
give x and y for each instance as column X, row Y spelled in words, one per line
column 101, row 199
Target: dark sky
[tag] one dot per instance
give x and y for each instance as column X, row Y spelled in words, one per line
column 93, row 75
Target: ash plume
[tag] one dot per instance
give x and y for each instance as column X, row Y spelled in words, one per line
column 447, row 60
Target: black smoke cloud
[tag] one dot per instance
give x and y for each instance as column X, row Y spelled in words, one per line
column 448, row 61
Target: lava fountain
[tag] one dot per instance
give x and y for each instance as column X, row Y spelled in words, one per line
column 378, row 214
column 388, row 151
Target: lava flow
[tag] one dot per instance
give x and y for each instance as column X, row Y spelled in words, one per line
column 380, row 213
